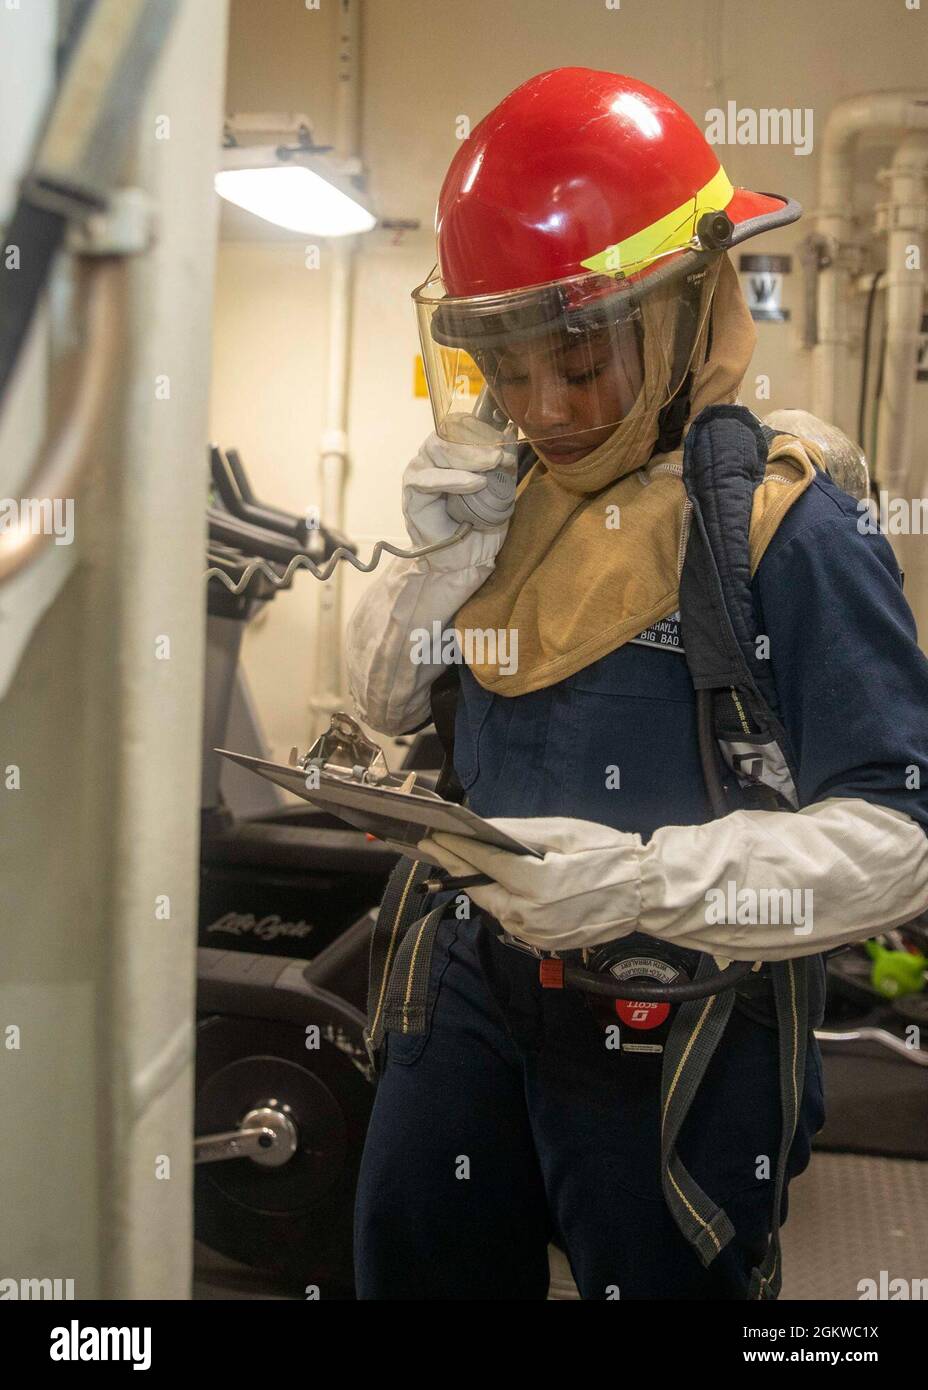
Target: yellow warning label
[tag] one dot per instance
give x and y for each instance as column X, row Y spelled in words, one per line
column 465, row 370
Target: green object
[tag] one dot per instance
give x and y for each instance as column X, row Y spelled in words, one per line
column 895, row 973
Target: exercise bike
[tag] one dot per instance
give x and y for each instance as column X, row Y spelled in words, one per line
column 283, row 1081
column 280, row 879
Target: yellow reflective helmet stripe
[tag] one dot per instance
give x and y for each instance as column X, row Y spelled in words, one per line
column 672, row 232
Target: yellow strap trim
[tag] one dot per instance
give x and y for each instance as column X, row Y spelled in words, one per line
column 389, row 958
column 707, row 1008
column 412, row 972
column 670, row 233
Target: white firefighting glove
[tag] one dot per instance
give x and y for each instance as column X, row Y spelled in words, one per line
column 586, row 889
column 440, row 468
column 389, row 691
column 753, row 885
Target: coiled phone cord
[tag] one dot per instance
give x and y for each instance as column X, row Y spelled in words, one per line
column 280, row 581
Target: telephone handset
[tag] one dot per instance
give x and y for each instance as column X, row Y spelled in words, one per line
column 488, row 411
column 491, row 506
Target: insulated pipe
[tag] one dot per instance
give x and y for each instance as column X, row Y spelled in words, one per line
column 325, row 696
column 901, row 471
column 906, row 217
column 347, row 90
column 902, row 110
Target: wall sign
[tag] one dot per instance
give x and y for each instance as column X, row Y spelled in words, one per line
column 762, row 283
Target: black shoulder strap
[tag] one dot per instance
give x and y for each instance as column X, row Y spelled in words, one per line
column 724, row 460
column 443, row 697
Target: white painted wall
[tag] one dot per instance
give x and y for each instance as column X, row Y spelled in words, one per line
column 425, row 64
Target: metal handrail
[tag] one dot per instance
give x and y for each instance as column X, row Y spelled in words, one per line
column 881, row 1036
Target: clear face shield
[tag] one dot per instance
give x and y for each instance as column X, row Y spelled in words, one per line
column 564, row 363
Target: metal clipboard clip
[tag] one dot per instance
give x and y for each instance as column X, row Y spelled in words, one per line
column 344, row 751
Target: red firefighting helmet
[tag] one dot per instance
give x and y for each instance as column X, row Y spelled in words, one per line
column 581, row 194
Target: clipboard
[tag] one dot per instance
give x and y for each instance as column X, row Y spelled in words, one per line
column 384, row 807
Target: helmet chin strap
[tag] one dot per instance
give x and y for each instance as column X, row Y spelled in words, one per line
column 673, row 416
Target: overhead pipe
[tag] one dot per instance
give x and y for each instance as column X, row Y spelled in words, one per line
column 901, row 470
column 901, row 110
column 905, row 217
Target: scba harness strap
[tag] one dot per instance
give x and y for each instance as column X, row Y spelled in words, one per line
column 745, row 760
column 724, row 461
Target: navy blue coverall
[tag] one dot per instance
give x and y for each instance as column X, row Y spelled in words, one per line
column 509, row 1123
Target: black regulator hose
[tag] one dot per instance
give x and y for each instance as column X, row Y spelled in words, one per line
column 601, row 982
column 708, row 754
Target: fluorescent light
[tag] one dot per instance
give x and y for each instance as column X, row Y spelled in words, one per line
column 295, row 197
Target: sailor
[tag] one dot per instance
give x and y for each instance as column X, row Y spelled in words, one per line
column 583, row 232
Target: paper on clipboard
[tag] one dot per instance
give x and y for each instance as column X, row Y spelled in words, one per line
column 399, row 818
